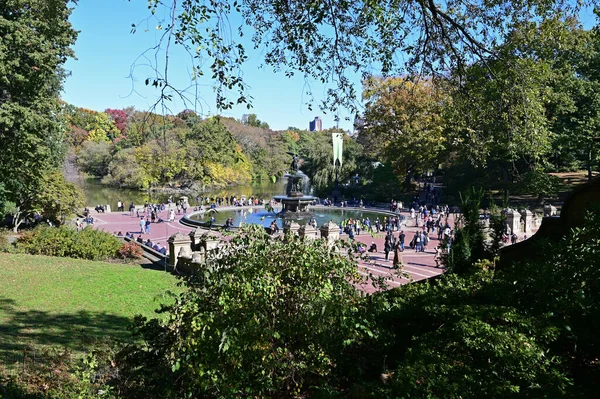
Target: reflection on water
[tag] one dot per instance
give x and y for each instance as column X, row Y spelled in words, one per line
column 97, row 193
column 255, row 215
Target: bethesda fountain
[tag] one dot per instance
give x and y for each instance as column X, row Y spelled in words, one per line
column 296, row 201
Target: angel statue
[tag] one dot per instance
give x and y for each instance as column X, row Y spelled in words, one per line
column 294, row 165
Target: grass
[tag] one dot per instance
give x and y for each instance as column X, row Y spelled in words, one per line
column 70, row 303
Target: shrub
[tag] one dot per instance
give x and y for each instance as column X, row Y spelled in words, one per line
column 4, row 242
column 67, row 242
column 60, row 374
column 266, row 318
column 131, row 250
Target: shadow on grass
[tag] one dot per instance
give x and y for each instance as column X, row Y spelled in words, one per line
column 78, row 331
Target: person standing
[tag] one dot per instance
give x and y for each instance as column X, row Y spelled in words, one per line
column 436, row 257
column 401, row 238
column 142, row 225
column 387, row 247
column 397, row 257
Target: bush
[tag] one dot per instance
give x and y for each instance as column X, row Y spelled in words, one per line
column 131, row 250
column 67, row 242
column 266, row 318
column 60, row 374
column 4, row 243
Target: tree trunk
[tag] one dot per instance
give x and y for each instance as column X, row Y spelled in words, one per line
column 541, row 200
column 505, row 179
column 17, row 220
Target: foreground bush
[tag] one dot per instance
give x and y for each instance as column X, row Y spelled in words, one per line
column 61, row 375
column 67, row 242
column 267, row 319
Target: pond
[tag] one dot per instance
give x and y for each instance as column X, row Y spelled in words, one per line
column 97, row 193
column 258, row 215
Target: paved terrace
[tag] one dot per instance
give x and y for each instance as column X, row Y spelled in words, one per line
column 417, row 266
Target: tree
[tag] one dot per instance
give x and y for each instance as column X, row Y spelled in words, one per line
column 497, row 120
column 94, row 158
column 35, row 41
column 264, row 318
column 403, row 124
column 56, row 200
column 325, row 41
column 120, row 118
column 252, row 120
column 575, row 103
column 59, row 199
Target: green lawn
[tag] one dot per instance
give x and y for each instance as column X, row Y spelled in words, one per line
column 61, row 302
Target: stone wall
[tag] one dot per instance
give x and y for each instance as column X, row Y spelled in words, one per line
column 555, row 227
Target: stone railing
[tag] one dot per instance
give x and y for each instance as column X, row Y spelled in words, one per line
column 188, row 253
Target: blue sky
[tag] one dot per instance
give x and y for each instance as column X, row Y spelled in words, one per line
column 106, row 50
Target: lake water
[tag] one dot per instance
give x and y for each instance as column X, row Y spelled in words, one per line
column 97, row 193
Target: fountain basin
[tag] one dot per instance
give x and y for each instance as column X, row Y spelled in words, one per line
column 258, row 215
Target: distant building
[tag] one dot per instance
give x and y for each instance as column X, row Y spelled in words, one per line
column 316, row 125
column 359, row 124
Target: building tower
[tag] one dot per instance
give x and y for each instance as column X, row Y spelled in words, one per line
column 315, row 125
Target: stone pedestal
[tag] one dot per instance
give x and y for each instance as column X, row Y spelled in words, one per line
column 107, row 208
column 549, row 210
column 291, row 228
column 210, row 240
column 513, row 220
column 176, row 242
column 308, row 232
column 527, row 217
column 330, row 232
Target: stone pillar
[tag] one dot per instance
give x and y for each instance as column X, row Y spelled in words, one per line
column 330, row 232
column 527, row 217
column 513, row 219
column 107, row 208
column 210, row 240
column 549, row 210
column 290, row 228
column 308, row 232
column 176, row 242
